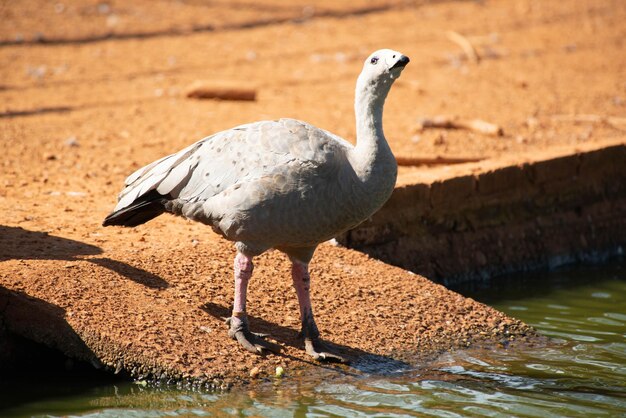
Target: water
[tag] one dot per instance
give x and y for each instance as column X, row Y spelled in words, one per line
column 582, row 373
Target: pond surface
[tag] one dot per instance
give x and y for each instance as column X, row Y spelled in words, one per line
column 582, row 374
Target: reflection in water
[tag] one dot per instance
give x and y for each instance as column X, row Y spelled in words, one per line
column 582, row 373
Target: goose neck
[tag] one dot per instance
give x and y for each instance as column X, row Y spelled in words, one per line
column 369, row 115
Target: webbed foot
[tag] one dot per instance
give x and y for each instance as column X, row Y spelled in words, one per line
column 252, row 342
column 321, row 351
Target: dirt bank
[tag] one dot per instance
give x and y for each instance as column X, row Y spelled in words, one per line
column 156, row 310
column 505, row 218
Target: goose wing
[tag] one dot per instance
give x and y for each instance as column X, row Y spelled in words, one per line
column 246, row 154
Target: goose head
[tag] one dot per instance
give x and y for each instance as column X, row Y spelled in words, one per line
column 380, row 70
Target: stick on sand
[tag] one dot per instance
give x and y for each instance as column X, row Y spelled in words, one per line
column 466, row 45
column 475, row 125
column 613, row 121
column 413, row 160
column 220, row 91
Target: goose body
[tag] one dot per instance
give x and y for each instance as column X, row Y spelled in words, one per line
column 269, row 184
column 281, row 184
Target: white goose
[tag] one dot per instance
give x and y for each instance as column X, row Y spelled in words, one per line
column 281, row 184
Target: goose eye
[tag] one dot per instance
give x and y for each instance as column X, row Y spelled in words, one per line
column 374, row 60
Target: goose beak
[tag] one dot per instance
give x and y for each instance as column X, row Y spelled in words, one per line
column 401, row 63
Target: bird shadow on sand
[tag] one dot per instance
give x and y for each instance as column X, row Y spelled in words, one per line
column 21, row 244
column 135, row 274
column 361, row 361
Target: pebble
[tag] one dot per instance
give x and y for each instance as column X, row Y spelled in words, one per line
column 71, row 142
column 37, row 72
column 532, row 123
column 440, row 140
column 255, row 372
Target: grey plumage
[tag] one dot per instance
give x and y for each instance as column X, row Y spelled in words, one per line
column 268, row 184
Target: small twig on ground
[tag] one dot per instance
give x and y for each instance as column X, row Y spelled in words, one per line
column 446, row 122
column 613, row 121
column 228, row 91
column 465, row 44
column 412, row 160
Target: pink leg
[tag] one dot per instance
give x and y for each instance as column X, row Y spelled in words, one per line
column 243, row 272
column 239, row 321
column 302, row 284
column 312, row 343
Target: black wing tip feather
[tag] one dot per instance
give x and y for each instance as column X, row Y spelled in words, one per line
column 133, row 218
column 139, row 212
